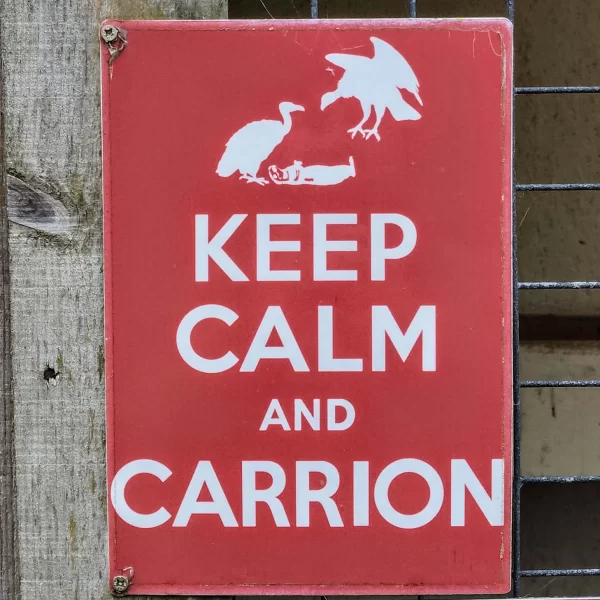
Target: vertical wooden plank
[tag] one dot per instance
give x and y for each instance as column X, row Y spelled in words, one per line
column 9, row 551
column 50, row 49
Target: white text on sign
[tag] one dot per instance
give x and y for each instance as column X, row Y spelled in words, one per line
column 383, row 324
column 369, row 489
column 462, row 480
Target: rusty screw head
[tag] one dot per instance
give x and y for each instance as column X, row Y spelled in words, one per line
column 109, row 33
column 120, row 584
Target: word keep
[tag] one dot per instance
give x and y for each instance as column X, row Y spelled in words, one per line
column 212, row 248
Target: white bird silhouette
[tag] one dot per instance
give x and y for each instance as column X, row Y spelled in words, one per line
column 375, row 83
column 252, row 144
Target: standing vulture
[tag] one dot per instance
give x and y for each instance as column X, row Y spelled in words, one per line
column 375, row 83
column 252, row 144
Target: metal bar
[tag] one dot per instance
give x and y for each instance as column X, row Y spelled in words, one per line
column 562, row 479
column 556, row 187
column 559, row 285
column 561, row 383
column 314, row 9
column 412, row 8
column 510, row 10
column 559, row 572
column 563, row 89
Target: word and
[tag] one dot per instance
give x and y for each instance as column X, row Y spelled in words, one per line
column 275, row 415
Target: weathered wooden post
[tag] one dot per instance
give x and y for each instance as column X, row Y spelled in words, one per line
column 52, row 483
column 9, row 575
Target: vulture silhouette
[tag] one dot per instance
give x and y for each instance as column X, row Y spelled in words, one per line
column 252, row 144
column 376, row 83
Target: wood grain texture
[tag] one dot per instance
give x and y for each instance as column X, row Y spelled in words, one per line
column 50, row 50
column 9, row 550
column 36, row 209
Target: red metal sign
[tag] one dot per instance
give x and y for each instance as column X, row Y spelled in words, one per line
column 308, row 306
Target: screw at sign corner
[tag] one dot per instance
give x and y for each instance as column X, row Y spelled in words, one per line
column 120, row 584
column 109, row 33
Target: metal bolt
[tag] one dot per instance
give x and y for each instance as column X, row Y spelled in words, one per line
column 120, row 584
column 109, row 33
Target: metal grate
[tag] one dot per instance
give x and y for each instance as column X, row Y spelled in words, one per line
column 519, row 480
